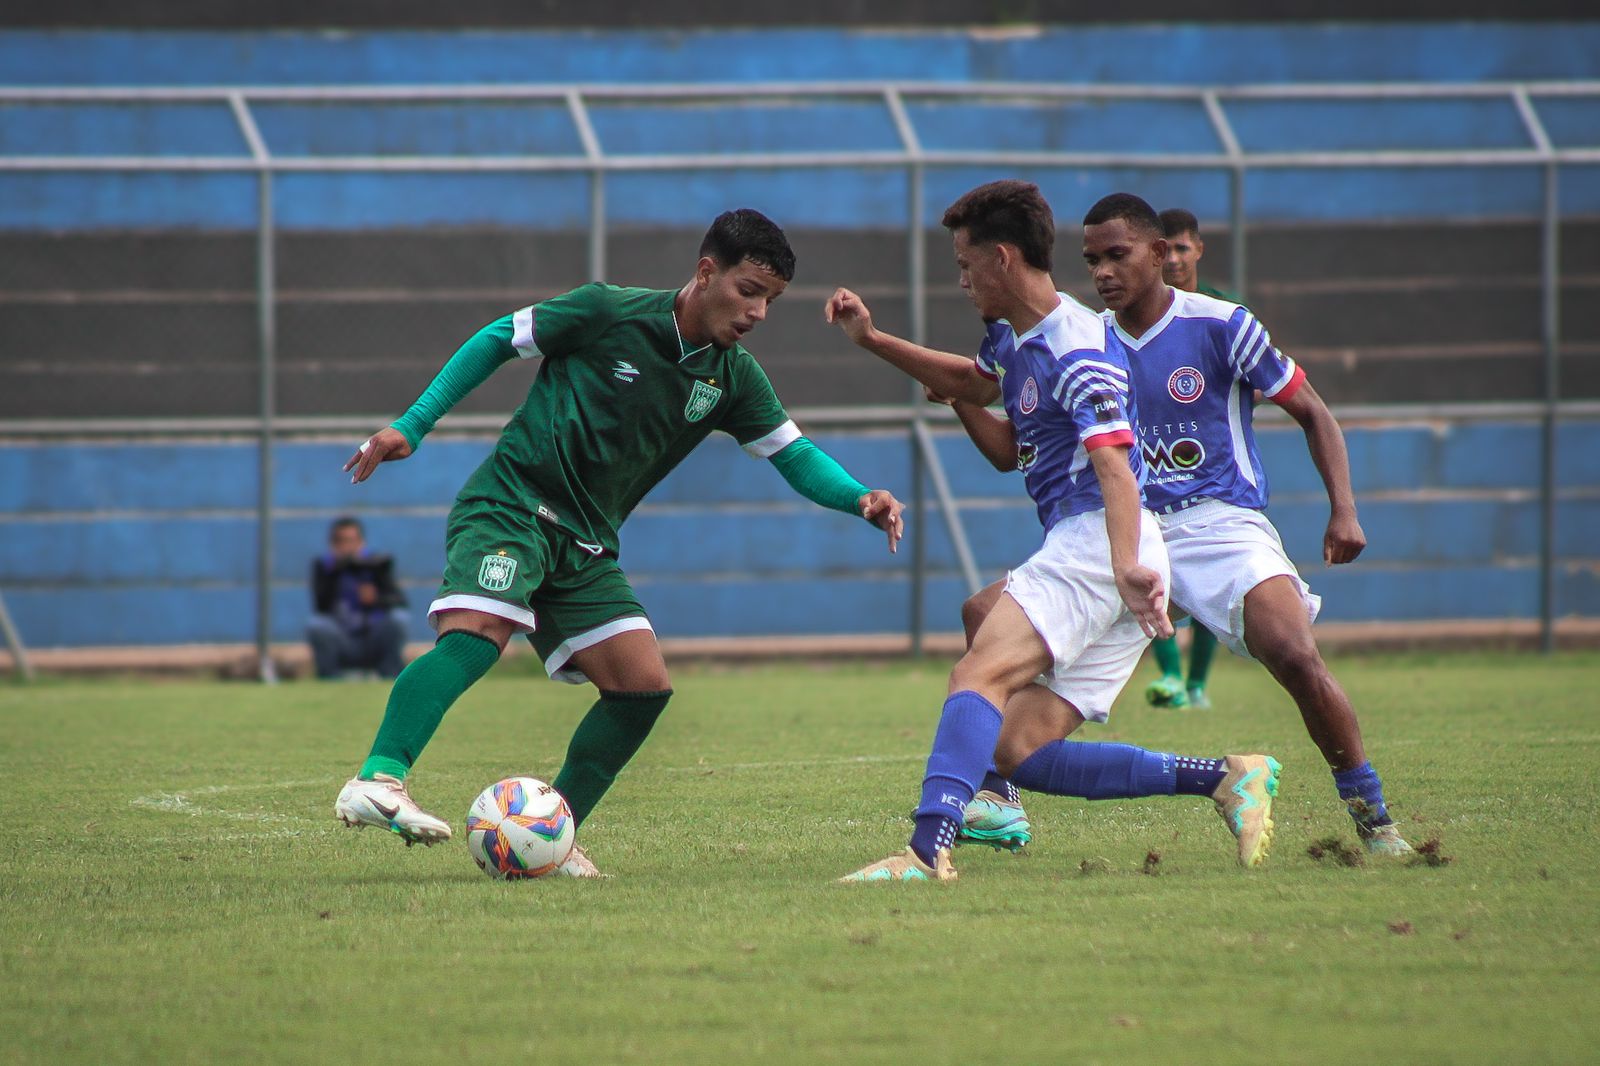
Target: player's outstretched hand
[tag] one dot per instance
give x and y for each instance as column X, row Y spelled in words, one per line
column 384, row 446
column 1142, row 590
column 1343, row 541
column 850, row 313
column 881, row 509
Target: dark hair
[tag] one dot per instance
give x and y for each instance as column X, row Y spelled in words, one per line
column 1176, row 221
column 1125, row 205
column 345, row 522
column 735, row 236
column 1007, row 212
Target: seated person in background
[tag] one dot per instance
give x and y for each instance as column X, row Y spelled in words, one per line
column 357, row 624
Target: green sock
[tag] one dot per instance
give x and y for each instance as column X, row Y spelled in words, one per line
column 603, row 743
column 1168, row 657
column 420, row 696
column 1201, row 651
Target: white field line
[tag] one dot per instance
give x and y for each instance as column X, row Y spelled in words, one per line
column 180, row 803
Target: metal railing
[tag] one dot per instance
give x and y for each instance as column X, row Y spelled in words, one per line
column 911, row 156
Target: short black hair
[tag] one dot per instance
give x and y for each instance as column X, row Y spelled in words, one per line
column 1177, row 220
column 735, row 236
column 345, row 521
column 1007, row 212
column 1136, row 210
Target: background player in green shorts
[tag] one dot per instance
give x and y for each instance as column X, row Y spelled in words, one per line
column 1181, row 270
column 632, row 380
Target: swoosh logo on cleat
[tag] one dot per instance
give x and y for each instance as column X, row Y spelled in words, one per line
column 387, row 812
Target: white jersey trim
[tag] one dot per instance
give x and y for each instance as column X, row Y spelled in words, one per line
column 1241, row 455
column 1154, row 331
column 522, row 334
column 1288, row 376
column 774, row 442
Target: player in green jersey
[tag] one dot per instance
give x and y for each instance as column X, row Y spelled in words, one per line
column 1171, row 689
column 631, row 381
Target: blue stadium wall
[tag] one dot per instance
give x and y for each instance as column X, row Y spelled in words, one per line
column 156, row 543
column 846, row 198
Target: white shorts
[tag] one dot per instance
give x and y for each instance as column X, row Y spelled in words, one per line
column 1067, row 592
column 1219, row 552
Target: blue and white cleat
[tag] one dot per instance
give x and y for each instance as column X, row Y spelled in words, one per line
column 994, row 820
column 904, row 867
column 1385, row 842
column 384, row 802
column 1244, row 799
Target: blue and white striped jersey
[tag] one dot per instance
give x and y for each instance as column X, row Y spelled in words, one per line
column 1194, row 376
column 1066, row 395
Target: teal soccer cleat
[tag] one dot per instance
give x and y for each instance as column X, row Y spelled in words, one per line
column 1197, row 698
column 1166, row 692
column 994, row 820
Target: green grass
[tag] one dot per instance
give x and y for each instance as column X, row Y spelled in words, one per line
column 174, row 889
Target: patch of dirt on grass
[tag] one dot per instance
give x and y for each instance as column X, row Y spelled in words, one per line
column 1429, row 854
column 1152, row 863
column 1336, row 850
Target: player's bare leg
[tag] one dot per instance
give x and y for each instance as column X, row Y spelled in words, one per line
column 634, row 688
column 1277, row 631
column 1007, row 653
column 470, row 642
column 995, row 816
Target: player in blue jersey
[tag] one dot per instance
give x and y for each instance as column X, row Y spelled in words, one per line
column 1196, row 363
column 1185, row 248
column 1078, row 614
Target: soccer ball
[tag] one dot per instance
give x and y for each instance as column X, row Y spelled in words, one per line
column 519, row 827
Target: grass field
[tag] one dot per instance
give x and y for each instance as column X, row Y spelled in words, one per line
column 176, row 891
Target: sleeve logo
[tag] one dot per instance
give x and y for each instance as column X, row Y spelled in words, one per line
column 1030, row 396
column 1106, row 406
column 496, row 572
column 701, row 400
column 1186, row 384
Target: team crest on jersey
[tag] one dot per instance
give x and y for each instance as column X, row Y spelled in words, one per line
column 1030, row 396
column 496, row 572
column 1186, row 384
column 701, row 400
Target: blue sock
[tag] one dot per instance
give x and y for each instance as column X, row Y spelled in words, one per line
column 993, row 782
column 1199, row 777
column 1097, row 771
column 963, row 747
column 1362, row 793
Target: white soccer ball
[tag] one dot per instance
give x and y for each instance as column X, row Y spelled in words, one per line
column 519, row 827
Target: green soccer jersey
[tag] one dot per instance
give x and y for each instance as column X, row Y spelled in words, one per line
column 619, row 401
column 1217, row 294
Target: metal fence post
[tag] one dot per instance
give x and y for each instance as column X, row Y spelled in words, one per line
column 579, row 113
column 267, row 342
column 266, row 303
column 1550, row 279
column 917, row 295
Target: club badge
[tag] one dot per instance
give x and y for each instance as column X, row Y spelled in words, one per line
column 1186, row 384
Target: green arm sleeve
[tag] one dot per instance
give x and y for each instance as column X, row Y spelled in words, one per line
column 470, row 367
column 817, row 476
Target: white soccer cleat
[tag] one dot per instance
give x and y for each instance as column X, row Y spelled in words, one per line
column 578, row 864
column 385, row 803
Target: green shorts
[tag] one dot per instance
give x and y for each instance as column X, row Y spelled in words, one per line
column 505, row 562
